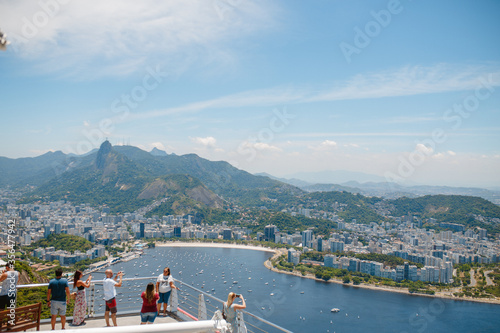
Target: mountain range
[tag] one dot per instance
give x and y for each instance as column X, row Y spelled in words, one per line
column 381, row 188
column 126, row 178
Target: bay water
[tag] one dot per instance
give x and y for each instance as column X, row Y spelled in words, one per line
column 303, row 305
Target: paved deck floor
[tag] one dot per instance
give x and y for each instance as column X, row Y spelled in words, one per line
column 124, row 320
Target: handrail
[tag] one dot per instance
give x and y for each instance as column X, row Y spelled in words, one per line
column 181, row 285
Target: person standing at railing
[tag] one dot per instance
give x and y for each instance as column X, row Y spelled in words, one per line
column 109, row 285
column 229, row 310
column 80, row 299
column 164, row 286
column 149, row 310
column 58, row 298
column 9, row 279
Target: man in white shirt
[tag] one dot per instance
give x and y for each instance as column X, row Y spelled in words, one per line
column 164, row 285
column 109, row 285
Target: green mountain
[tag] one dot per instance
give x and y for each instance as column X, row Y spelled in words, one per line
column 461, row 209
column 125, row 178
column 354, row 206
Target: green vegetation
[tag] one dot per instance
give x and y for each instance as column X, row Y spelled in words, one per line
column 66, row 242
column 84, row 264
column 386, row 259
column 450, row 208
column 358, row 206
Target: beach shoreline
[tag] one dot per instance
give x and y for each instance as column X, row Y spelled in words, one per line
column 443, row 295
column 215, row 244
column 279, row 252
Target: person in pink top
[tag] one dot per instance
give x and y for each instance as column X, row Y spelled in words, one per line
column 149, row 309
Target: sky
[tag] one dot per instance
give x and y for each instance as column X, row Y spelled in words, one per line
column 405, row 90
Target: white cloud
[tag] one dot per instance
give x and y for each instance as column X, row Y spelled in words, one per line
column 120, row 37
column 208, row 142
column 406, row 81
column 412, row 80
column 451, row 153
column 438, row 155
column 158, row 145
column 265, row 147
column 325, row 145
column 329, row 143
column 424, row 149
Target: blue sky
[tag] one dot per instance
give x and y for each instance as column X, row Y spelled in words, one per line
column 406, row 90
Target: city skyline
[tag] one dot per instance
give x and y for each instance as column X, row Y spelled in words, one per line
column 400, row 89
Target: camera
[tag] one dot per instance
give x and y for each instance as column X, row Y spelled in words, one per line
column 238, row 295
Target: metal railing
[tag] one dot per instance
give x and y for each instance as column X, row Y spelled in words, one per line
column 189, row 304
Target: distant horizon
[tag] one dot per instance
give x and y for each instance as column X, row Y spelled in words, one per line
column 406, row 90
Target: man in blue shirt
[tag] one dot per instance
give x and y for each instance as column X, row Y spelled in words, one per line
column 57, row 298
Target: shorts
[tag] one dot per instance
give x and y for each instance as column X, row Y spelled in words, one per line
column 6, row 301
column 148, row 316
column 164, row 297
column 111, row 305
column 58, row 308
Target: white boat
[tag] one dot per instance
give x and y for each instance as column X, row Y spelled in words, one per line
column 335, row 310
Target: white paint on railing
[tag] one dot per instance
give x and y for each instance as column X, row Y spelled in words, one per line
column 175, row 300
column 202, row 308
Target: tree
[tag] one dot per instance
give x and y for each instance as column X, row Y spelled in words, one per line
column 347, row 279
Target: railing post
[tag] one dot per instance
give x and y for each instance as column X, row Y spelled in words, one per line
column 90, row 308
column 90, row 303
column 202, row 308
column 175, row 301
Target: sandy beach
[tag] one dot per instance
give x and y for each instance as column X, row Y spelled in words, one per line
column 221, row 245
